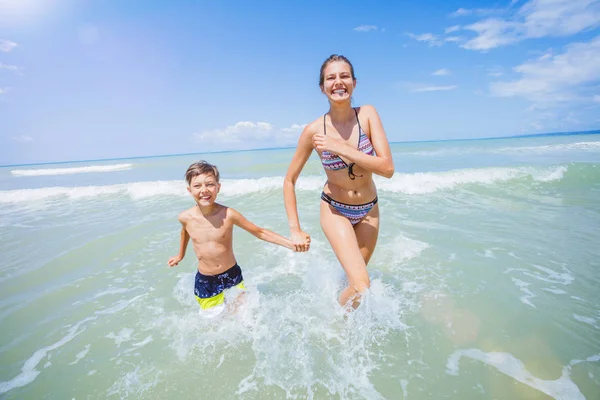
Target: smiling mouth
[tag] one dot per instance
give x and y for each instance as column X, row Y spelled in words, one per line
column 204, row 197
column 340, row 92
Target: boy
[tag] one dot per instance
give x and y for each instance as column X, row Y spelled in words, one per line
column 210, row 226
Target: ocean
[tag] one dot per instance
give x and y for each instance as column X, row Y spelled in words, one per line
column 484, row 280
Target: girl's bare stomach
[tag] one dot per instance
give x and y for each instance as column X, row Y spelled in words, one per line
column 358, row 191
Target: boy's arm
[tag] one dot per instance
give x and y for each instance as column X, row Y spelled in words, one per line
column 185, row 238
column 261, row 233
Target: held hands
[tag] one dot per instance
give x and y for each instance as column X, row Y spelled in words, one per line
column 300, row 241
column 173, row 261
column 327, row 143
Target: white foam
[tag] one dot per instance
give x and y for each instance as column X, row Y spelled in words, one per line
column 119, row 305
column 561, row 388
column 28, row 372
column 123, row 336
column 578, row 146
column 587, row 320
column 550, row 176
column 542, row 149
column 416, row 183
column 594, row 358
column 489, row 254
column 528, row 294
column 430, row 182
column 114, row 291
column 143, row 190
column 401, row 249
column 143, row 342
column 555, row 291
column 137, row 383
column 81, row 355
column 564, row 278
column 290, row 321
column 72, row 170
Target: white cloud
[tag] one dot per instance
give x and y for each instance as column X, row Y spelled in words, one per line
column 491, row 33
column 429, row 38
column 242, row 131
column 6, row 45
column 433, row 88
column 23, row 139
column 246, row 134
column 295, row 128
column 463, row 12
column 3, row 90
column 495, row 74
column 537, row 126
column 365, row 28
column 535, row 19
column 452, row 29
column 434, row 40
column 6, row 67
column 556, row 78
column 441, row 72
column 596, row 98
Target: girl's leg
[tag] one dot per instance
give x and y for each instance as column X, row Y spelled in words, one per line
column 343, row 241
column 367, row 231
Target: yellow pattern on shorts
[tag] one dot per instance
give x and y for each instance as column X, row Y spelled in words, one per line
column 218, row 299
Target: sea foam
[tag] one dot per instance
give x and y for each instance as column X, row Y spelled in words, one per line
column 71, row 170
column 411, row 184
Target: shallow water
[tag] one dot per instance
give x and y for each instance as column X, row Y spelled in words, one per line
column 483, row 281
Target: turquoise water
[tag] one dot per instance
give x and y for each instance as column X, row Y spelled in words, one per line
column 484, row 281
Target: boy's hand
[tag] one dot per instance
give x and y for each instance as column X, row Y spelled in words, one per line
column 173, row 261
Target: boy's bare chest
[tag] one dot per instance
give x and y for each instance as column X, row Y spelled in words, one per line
column 210, row 231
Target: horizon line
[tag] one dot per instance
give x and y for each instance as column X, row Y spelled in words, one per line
column 568, row 133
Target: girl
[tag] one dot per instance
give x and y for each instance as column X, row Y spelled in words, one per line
column 352, row 146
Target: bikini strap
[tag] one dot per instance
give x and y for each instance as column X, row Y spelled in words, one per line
column 357, row 120
column 324, row 125
column 351, row 173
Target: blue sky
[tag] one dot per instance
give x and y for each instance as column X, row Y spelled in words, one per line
column 107, row 79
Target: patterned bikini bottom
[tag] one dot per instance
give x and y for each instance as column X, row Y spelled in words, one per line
column 354, row 212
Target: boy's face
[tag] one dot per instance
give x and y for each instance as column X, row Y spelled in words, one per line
column 204, row 189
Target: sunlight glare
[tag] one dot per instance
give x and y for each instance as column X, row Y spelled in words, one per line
column 20, row 12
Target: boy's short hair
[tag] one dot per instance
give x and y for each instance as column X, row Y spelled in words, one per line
column 200, row 168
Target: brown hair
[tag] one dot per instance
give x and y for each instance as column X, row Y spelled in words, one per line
column 330, row 59
column 201, row 168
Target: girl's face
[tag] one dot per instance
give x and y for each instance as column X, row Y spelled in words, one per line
column 338, row 84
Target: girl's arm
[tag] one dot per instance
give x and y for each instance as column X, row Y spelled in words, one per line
column 303, row 151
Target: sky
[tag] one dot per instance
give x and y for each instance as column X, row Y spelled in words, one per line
column 96, row 79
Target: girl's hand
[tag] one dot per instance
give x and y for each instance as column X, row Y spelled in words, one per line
column 327, row 143
column 300, row 241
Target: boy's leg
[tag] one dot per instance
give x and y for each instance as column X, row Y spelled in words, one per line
column 239, row 298
column 235, row 281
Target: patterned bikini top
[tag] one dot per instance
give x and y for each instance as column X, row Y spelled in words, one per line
column 333, row 162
